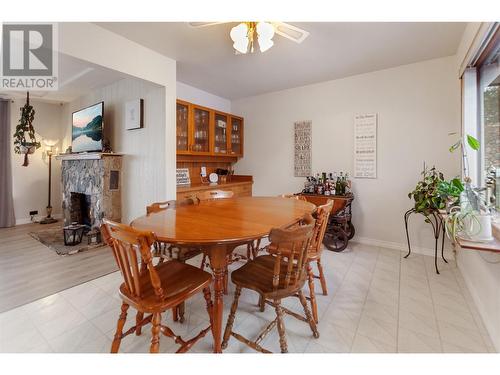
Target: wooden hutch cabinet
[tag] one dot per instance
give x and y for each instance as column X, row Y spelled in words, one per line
column 205, row 131
column 212, row 139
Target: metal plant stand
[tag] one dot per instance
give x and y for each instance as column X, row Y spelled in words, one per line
column 438, row 228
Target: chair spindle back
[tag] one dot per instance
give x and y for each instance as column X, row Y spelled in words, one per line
column 321, row 214
column 129, row 247
column 294, row 243
column 209, row 195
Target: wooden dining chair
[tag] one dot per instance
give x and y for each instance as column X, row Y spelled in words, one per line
column 321, row 214
column 276, row 276
column 181, row 253
column 214, row 194
column 152, row 289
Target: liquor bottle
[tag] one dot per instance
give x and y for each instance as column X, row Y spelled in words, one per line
column 338, row 185
column 326, row 189
column 332, row 184
column 311, row 185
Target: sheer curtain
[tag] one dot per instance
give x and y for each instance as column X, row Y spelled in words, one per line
column 7, row 218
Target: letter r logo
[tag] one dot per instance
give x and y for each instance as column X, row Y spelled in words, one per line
column 27, row 50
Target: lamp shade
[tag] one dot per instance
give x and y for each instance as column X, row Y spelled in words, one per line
column 50, row 142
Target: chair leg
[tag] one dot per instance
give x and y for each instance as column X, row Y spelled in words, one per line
column 226, row 280
column 309, row 317
column 203, row 261
column 155, row 333
column 230, row 320
column 281, row 326
column 138, row 319
column 322, row 278
column 210, row 306
column 119, row 328
column 181, row 309
column 262, row 304
column 312, row 295
column 175, row 315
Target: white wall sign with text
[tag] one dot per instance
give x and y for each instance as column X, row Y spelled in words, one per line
column 365, row 146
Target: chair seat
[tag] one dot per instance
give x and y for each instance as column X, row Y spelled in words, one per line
column 258, row 275
column 179, row 282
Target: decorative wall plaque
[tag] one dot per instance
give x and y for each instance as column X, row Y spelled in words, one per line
column 303, row 134
column 365, row 146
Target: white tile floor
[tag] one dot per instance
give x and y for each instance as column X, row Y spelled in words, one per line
column 377, row 302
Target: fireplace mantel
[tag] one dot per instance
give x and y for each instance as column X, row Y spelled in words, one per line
column 86, row 156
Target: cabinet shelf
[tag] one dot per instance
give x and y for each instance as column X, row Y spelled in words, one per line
column 208, row 132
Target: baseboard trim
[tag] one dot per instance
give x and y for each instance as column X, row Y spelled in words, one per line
column 27, row 220
column 399, row 246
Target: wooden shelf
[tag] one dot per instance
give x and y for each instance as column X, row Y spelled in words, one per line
column 86, row 156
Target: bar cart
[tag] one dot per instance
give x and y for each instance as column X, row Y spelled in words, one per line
column 340, row 228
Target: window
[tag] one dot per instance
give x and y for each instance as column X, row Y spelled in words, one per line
column 481, row 112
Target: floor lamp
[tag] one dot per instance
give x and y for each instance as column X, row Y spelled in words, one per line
column 50, row 145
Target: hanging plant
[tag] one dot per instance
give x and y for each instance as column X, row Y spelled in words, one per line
column 25, row 140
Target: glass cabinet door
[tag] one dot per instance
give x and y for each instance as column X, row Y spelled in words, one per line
column 182, row 127
column 201, row 130
column 236, row 136
column 220, row 134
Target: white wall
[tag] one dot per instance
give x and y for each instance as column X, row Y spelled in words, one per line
column 143, row 174
column 30, row 184
column 92, row 43
column 194, row 95
column 417, row 106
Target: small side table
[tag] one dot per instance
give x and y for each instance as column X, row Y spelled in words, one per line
column 437, row 222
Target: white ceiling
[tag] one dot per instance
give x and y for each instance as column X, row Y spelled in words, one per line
column 206, row 60
column 76, row 78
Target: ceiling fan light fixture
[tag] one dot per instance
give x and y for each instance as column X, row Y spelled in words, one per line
column 239, row 32
column 265, row 44
column 265, row 30
column 241, row 45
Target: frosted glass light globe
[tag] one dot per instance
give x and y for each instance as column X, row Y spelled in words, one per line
column 239, row 32
column 265, row 30
column 265, row 44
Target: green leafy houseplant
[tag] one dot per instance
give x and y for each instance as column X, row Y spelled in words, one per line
column 462, row 220
column 25, row 141
column 426, row 194
column 450, row 191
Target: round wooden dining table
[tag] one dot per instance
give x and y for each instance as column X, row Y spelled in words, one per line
column 218, row 227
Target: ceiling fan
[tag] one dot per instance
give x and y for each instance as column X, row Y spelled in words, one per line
column 243, row 35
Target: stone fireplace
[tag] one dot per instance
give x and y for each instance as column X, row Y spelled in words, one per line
column 91, row 188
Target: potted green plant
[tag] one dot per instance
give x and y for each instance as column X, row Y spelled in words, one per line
column 426, row 193
column 472, row 219
column 25, row 141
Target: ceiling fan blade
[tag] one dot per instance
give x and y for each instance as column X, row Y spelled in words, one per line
column 290, row 32
column 204, row 24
